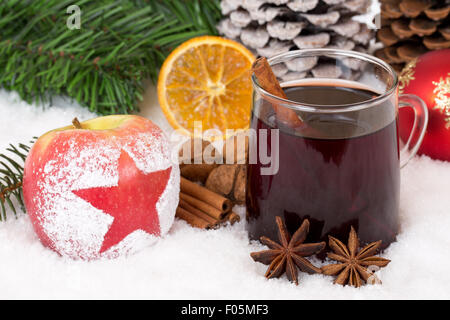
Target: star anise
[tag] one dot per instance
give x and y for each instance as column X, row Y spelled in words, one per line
column 289, row 254
column 352, row 266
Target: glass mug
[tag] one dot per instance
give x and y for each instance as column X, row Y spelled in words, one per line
column 341, row 166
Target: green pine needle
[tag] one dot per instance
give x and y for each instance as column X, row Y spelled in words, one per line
column 11, row 175
column 104, row 64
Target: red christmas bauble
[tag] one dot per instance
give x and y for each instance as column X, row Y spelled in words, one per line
column 107, row 189
column 428, row 77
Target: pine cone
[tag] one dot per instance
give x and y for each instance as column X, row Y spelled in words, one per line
column 409, row 28
column 271, row 27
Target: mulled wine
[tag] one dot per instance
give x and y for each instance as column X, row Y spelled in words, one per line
column 338, row 170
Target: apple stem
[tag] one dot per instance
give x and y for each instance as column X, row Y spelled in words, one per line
column 76, row 123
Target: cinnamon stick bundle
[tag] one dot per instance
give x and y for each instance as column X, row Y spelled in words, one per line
column 200, row 207
column 203, row 206
column 192, row 219
column 201, row 221
column 194, row 190
column 185, row 205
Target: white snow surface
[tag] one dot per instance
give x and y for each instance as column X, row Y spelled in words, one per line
column 189, row 263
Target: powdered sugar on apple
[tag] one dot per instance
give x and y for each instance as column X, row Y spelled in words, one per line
column 75, row 227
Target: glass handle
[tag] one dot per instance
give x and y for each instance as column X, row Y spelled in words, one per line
column 419, row 127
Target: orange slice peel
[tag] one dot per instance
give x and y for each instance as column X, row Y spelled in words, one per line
column 207, row 80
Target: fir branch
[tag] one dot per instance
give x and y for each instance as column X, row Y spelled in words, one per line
column 102, row 65
column 11, row 175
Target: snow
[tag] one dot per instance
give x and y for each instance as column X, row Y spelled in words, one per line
column 188, row 263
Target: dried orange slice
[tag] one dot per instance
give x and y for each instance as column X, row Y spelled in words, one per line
column 207, row 79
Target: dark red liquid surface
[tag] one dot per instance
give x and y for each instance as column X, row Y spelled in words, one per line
column 335, row 183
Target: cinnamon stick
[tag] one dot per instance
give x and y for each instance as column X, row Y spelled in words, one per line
column 203, row 206
column 199, row 219
column 201, row 193
column 192, row 219
column 188, row 207
column 268, row 81
column 233, row 217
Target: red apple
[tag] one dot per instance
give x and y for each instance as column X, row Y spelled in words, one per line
column 102, row 190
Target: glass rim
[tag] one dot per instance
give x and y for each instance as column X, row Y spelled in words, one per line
column 334, row 108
